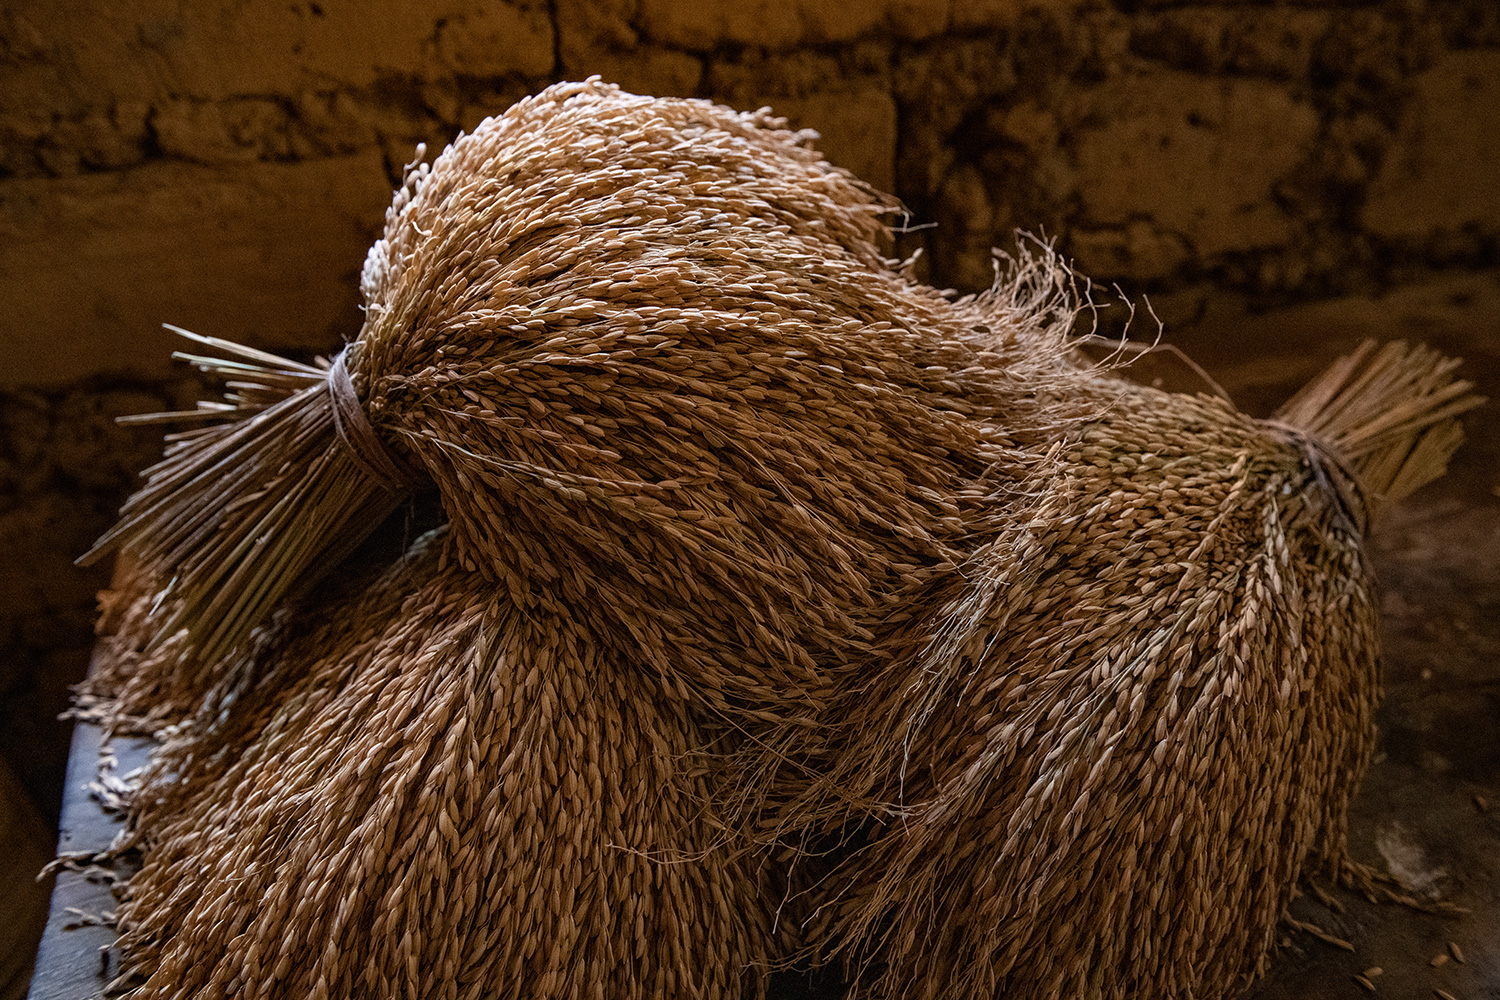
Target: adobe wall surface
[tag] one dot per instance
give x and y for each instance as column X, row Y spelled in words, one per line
column 225, row 165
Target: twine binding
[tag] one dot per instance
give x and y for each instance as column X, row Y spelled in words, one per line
column 352, row 426
column 1332, row 474
column 285, row 479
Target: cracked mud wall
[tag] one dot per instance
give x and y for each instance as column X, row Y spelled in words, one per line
column 225, row 165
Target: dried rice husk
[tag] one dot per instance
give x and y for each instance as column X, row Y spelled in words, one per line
column 670, row 272
column 422, row 793
column 130, row 689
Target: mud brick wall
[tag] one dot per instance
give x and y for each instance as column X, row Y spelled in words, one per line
column 225, row 165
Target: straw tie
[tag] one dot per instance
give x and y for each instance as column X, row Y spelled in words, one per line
column 358, row 436
column 1333, row 474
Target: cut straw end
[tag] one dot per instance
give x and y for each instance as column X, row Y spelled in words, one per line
column 238, row 513
column 1389, row 413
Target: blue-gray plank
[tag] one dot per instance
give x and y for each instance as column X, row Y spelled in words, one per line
column 74, row 964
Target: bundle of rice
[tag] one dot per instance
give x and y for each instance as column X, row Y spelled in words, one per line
column 421, row 792
column 913, row 586
column 647, row 348
column 676, row 405
column 1143, row 717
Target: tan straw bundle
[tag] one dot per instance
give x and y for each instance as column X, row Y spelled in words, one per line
column 421, row 793
column 758, row 552
column 1145, row 715
column 648, row 346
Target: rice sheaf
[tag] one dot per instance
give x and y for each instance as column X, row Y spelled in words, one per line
column 786, row 610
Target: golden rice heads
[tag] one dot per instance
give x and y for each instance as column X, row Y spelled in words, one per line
column 650, row 346
column 593, row 276
column 432, row 796
column 620, row 159
column 1163, row 704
